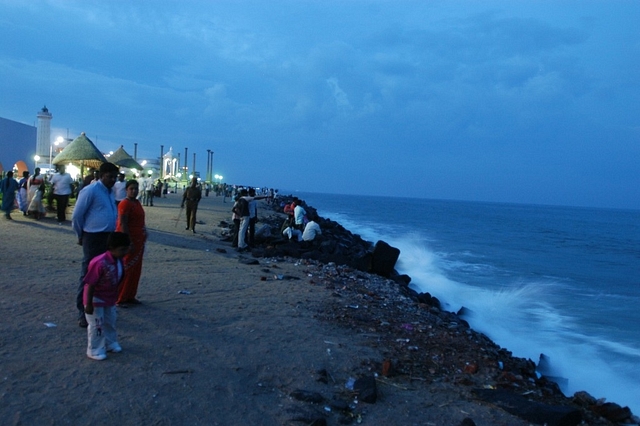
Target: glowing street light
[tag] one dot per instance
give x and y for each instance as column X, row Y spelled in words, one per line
column 58, row 141
column 36, row 158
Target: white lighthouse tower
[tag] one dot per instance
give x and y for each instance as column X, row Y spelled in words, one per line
column 44, row 133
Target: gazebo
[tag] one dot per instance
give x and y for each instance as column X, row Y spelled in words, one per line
column 121, row 158
column 83, row 152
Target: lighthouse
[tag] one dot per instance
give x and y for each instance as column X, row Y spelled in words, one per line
column 44, row 133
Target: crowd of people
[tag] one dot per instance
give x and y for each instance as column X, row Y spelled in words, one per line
column 109, row 222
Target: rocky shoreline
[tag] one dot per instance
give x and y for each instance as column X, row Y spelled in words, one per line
column 421, row 342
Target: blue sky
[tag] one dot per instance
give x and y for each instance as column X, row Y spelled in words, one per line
column 506, row 101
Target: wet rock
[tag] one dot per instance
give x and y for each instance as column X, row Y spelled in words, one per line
column 402, row 280
column 612, row 412
column 384, row 259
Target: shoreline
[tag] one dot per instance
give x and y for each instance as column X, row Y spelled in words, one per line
column 239, row 343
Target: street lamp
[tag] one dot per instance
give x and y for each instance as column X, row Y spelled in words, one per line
column 58, row 141
column 36, row 158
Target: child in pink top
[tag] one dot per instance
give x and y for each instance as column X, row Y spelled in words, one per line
column 104, row 275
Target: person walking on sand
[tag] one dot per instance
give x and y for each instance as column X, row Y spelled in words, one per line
column 35, row 187
column 8, row 188
column 23, row 193
column 94, row 218
column 131, row 222
column 120, row 189
column 61, row 183
column 191, row 197
column 100, row 291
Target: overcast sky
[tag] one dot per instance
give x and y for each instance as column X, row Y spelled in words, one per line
column 508, row 101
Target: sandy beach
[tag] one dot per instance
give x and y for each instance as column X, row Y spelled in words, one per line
column 217, row 340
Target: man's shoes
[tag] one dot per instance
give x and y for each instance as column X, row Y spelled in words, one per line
column 186, row 229
column 114, row 347
column 99, row 357
column 82, row 322
column 193, row 230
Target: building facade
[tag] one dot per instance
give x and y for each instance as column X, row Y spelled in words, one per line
column 17, row 146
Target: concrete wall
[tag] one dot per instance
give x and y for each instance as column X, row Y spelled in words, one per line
column 17, row 143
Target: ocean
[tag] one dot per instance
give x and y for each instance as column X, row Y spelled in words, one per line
column 558, row 281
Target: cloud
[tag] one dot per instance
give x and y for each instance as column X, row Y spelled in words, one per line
column 339, row 96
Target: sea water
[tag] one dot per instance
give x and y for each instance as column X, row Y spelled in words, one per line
column 559, row 281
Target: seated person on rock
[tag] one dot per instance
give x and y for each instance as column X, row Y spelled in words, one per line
column 311, row 230
column 292, row 233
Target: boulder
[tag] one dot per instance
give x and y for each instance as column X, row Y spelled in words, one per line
column 384, row 259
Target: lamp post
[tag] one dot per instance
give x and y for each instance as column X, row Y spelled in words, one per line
column 36, row 158
column 207, row 177
column 211, row 170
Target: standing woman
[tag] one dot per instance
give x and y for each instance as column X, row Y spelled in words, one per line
column 131, row 222
column 8, row 188
column 36, row 191
column 23, row 193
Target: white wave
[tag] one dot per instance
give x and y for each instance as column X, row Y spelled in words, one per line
column 524, row 317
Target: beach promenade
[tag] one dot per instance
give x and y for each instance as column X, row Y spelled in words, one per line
column 217, row 340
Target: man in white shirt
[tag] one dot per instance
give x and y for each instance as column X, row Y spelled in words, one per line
column 61, row 183
column 299, row 214
column 120, row 189
column 311, row 231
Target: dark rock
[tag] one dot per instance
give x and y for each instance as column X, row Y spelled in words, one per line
column 402, row 280
column 428, row 299
column 221, row 250
column 366, row 389
column 306, row 417
column 307, row 396
column 328, row 246
column 531, row 411
column 467, row 422
column 313, row 254
column 612, row 412
column 339, row 405
column 362, row 262
column 248, row 261
column 384, row 259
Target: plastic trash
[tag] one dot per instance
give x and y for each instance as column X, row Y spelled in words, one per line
column 350, row 382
